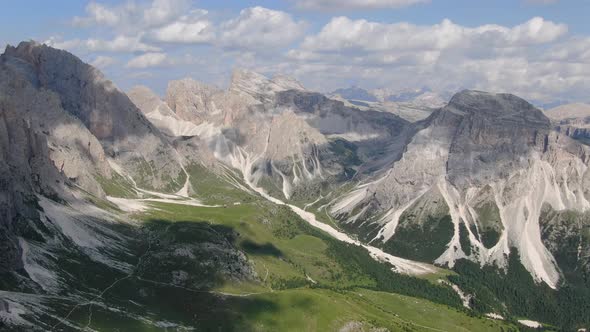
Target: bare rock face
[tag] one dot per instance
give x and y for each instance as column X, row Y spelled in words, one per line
column 190, row 100
column 493, row 137
column 494, row 161
column 477, row 172
column 275, row 132
column 124, row 133
column 242, row 127
column 160, row 114
column 25, row 170
column 147, row 101
column 260, row 88
column 73, row 150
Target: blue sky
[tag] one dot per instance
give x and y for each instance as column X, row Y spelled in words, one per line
column 539, row 49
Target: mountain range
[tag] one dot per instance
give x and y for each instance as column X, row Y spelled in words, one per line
column 266, row 204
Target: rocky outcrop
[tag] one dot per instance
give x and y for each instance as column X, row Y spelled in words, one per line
column 494, row 160
column 84, row 94
column 160, row 114
column 25, row 171
column 258, row 88
column 73, row 149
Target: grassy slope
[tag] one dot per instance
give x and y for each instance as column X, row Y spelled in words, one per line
column 326, row 310
column 306, row 281
column 285, row 252
column 213, row 188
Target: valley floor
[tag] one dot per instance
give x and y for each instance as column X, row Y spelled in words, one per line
column 188, row 273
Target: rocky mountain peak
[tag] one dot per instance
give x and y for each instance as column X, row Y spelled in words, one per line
column 490, row 105
column 100, row 115
column 190, row 99
column 287, row 82
column 147, row 100
column 83, row 90
column 260, row 88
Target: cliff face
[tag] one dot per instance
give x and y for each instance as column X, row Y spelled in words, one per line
column 25, row 171
column 471, row 181
column 109, row 120
column 494, row 162
column 63, row 128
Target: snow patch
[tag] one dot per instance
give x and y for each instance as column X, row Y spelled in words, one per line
column 354, row 136
column 400, row 265
column 530, row 323
column 494, row 316
column 128, row 205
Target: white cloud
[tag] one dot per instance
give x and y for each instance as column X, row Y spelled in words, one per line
column 342, row 34
column 175, row 21
column 133, row 16
column 536, row 59
column 162, row 12
column 147, row 60
column 192, row 28
column 58, row 42
column 119, row 44
column 98, row 14
column 354, row 4
column 103, row 61
column 261, row 28
column 446, row 56
column 537, row 30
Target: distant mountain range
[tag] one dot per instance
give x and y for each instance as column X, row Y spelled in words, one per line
column 266, row 206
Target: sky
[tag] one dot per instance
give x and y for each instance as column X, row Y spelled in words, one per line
column 538, row 49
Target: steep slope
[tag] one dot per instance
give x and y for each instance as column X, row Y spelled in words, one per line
column 126, row 136
column 468, row 182
column 160, row 114
column 259, row 88
column 72, row 261
column 493, row 161
column 275, row 133
column 25, row 168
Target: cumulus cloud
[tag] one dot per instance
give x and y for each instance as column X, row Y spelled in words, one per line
column 100, row 14
column 133, row 16
column 444, row 56
column 536, row 59
column 162, row 12
column 342, row 33
column 354, row 4
column 175, row 21
column 119, row 44
column 260, row 28
column 147, row 60
column 192, row 28
column 103, row 61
